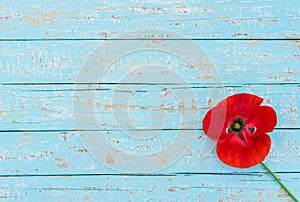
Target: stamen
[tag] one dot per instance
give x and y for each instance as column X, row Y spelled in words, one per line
column 237, row 126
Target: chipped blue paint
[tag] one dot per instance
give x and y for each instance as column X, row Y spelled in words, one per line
column 44, row 44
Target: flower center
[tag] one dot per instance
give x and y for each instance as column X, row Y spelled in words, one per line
column 237, row 125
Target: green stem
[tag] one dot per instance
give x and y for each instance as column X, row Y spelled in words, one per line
column 279, row 182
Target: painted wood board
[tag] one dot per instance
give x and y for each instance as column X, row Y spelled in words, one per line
column 108, row 19
column 236, row 62
column 62, row 153
column 52, row 107
column 184, row 187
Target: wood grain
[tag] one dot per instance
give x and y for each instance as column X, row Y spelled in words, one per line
column 236, row 62
column 62, row 153
column 260, row 187
column 51, row 107
column 107, row 19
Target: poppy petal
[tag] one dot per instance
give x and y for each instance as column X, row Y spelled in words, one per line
column 215, row 122
column 237, row 153
column 243, row 104
column 264, row 119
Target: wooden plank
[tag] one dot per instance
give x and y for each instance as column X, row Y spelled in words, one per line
column 54, row 19
column 129, row 107
column 62, row 153
column 235, row 62
column 256, row 187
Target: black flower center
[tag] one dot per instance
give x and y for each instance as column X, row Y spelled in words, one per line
column 237, row 125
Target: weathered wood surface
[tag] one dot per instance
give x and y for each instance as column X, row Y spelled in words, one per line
column 51, row 107
column 237, row 62
column 62, row 153
column 254, row 47
column 177, row 187
column 107, row 19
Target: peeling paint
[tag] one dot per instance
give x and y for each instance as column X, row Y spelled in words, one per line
column 110, row 159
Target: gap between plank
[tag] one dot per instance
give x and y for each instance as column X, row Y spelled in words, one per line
column 213, row 85
column 145, row 174
column 150, row 39
column 107, row 130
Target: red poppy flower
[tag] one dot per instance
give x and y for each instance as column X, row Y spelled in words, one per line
column 239, row 125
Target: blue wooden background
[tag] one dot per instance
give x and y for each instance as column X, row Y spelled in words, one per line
column 254, row 46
